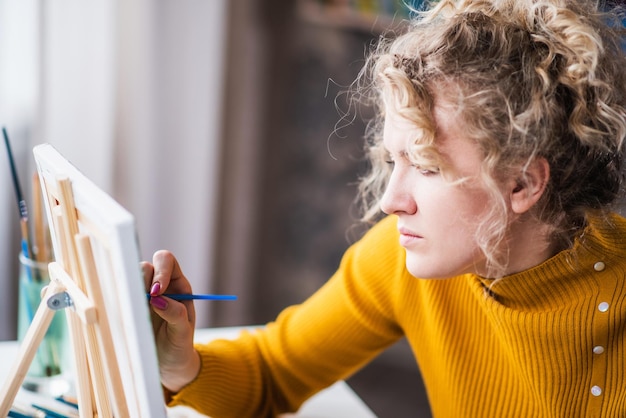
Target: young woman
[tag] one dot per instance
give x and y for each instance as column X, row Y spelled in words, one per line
column 497, row 157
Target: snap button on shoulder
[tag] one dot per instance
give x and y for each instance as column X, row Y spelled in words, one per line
column 599, row 266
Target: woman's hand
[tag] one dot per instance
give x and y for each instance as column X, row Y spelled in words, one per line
column 173, row 322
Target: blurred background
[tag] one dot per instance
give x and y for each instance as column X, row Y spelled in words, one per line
column 216, row 124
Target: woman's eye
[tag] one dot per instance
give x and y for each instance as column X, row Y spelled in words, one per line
column 427, row 171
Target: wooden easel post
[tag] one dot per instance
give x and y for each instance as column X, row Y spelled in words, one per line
column 96, row 365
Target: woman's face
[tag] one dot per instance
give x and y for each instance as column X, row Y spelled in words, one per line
column 437, row 220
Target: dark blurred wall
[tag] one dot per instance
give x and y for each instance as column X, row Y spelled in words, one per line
column 285, row 227
column 309, row 185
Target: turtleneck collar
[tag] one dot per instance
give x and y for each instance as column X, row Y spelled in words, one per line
column 574, row 271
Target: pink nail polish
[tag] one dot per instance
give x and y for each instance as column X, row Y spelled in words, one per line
column 155, row 289
column 158, row 302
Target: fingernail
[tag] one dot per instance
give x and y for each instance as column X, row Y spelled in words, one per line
column 158, row 302
column 155, row 289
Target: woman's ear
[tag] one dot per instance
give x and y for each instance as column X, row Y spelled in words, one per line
column 527, row 189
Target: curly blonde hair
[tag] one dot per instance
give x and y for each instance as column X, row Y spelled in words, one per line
column 535, row 79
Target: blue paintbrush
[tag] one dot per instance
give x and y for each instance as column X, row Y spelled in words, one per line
column 20, row 202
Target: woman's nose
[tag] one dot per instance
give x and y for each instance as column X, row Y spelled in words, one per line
column 397, row 197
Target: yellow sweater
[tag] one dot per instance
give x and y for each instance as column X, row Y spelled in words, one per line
column 547, row 342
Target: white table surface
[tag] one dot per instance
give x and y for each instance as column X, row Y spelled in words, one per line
column 337, row 401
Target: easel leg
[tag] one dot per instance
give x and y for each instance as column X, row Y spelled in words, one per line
column 33, row 338
column 81, row 368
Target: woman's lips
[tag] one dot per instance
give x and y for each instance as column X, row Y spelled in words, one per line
column 408, row 237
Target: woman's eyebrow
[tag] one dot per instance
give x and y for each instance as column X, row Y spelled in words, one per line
column 403, row 153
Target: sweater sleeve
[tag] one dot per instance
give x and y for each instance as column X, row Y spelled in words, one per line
column 331, row 335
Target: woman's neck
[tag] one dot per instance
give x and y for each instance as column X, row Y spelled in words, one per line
column 530, row 243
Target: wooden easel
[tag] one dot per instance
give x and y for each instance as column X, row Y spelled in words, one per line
column 74, row 284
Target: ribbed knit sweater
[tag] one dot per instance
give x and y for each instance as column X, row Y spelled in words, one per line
column 547, row 342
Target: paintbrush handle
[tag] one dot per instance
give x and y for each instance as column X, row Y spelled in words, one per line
column 186, row 296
